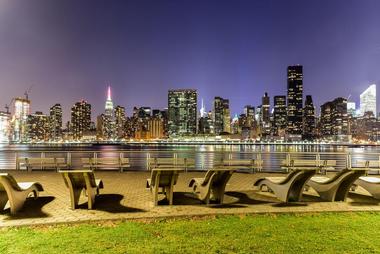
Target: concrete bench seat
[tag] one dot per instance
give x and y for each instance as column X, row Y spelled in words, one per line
column 81, row 180
column 106, row 163
column 16, row 192
column 370, row 184
column 164, row 178
column 287, row 188
column 337, row 187
column 212, row 186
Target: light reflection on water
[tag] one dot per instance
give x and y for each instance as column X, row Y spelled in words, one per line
column 205, row 155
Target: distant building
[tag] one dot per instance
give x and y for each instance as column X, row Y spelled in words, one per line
column 351, row 108
column 105, row 127
column 80, row 119
column 156, row 128
column 38, row 127
column 265, row 115
column 120, row 121
column 309, row 123
column 56, row 122
column 221, row 116
column 334, row 119
column 109, row 104
column 21, row 112
column 265, row 108
column 295, row 93
column 182, row 112
column 279, row 115
column 105, row 123
column 368, row 100
column 5, row 118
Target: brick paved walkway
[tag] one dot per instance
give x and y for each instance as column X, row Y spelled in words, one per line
column 125, row 197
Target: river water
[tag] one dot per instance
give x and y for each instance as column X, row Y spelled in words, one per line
column 205, row 155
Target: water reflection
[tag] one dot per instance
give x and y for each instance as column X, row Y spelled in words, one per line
column 205, row 155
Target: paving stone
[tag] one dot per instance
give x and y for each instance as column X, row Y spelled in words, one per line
column 125, row 197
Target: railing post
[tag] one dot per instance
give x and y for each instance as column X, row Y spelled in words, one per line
column 17, row 161
column 68, row 159
column 148, row 161
column 348, row 162
column 42, row 156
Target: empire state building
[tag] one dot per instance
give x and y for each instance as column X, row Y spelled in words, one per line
column 109, row 104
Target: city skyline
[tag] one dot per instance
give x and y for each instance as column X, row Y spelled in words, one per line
column 237, row 51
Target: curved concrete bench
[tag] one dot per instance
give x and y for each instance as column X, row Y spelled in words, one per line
column 370, row 184
column 16, row 192
column 81, row 180
column 164, row 178
column 212, row 186
column 288, row 188
column 337, row 187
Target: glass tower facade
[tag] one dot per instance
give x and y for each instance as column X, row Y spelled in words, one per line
column 295, row 93
column 368, row 100
column 182, row 112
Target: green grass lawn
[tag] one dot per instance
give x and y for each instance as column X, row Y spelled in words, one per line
column 286, row 233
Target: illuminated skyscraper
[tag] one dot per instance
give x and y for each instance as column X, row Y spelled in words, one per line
column 182, row 112
column 295, row 93
column 109, row 103
column 334, row 119
column 5, row 118
column 21, row 112
column 265, row 115
column 56, row 122
column 221, row 115
column 368, row 100
column 38, row 127
column 279, row 114
column 120, row 121
column 351, row 108
column 309, row 123
column 80, row 119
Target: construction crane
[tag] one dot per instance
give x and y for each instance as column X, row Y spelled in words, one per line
column 7, row 106
column 27, row 92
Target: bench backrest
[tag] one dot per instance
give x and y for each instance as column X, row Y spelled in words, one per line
column 7, row 179
column 78, row 180
column 164, row 177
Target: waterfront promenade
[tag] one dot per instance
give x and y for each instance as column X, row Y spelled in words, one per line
column 125, row 197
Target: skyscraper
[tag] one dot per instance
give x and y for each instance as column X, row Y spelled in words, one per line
column 279, row 114
column 80, row 119
column 109, row 103
column 21, row 112
column 265, row 100
column 56, row 122
column 295, row 93
column 221, row 115
column 105, row 123
column 182, row 112
column 334, row 119
column 368, row 100
column 309, row 119
column 5, row 118
column 120, row 121
column 38, row 127
column 351, row 108
column 265, row 115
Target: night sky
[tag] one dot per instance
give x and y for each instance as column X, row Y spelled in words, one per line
column 234, row 49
